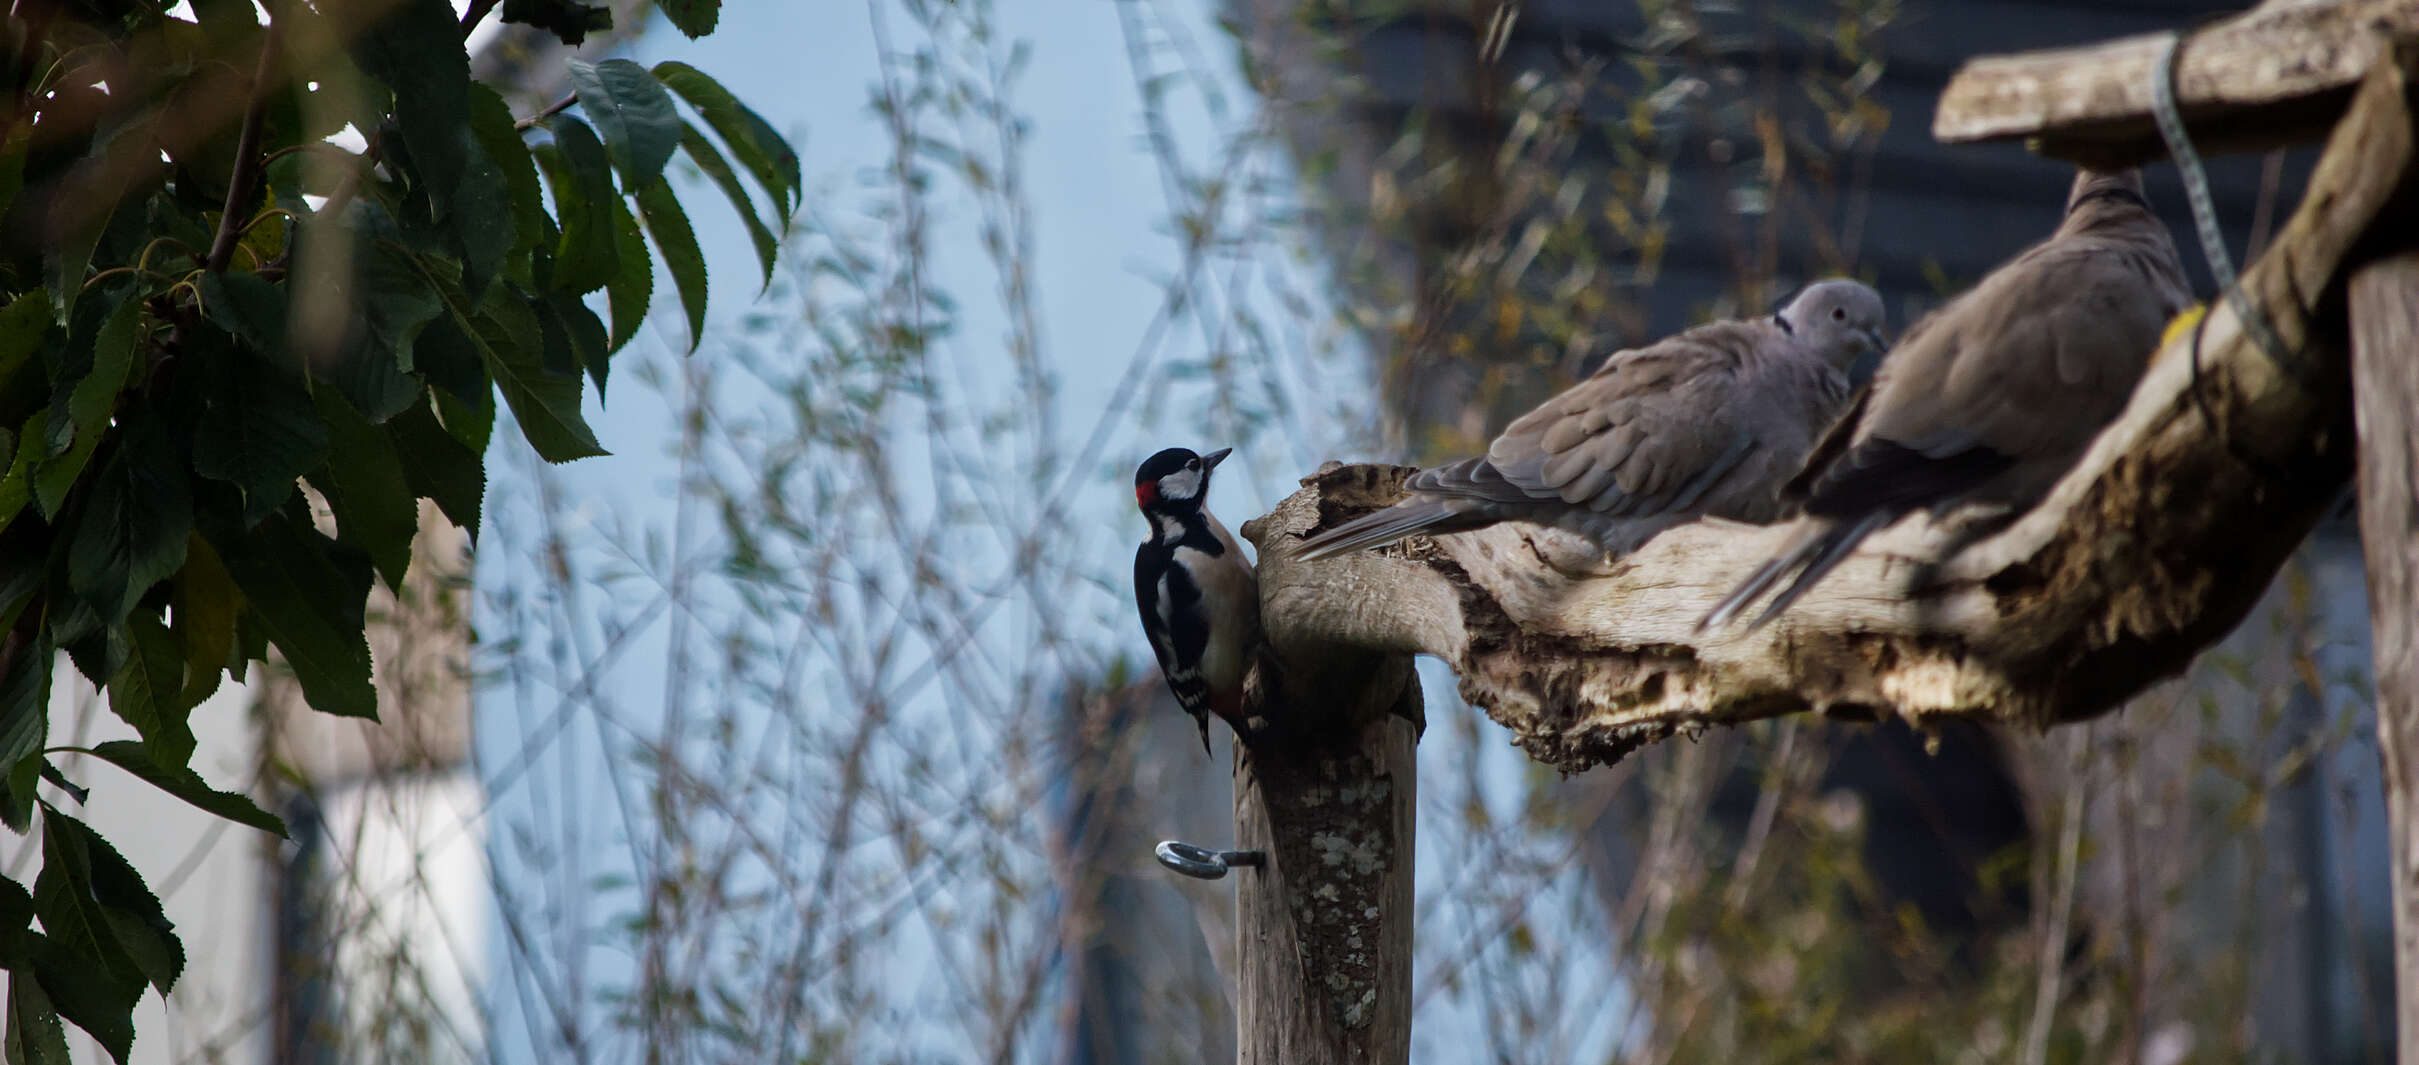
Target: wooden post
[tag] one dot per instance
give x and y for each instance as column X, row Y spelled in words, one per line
column 1323, row 925
column 2385, row 407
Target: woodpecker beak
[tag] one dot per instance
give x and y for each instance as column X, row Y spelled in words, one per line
column 1210, row 461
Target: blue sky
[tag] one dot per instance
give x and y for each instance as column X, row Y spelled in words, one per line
column 1102, row 250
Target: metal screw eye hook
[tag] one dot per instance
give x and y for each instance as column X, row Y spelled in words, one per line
column 1202, row 863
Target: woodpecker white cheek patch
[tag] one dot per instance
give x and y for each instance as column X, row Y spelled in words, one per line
column 1182, row 484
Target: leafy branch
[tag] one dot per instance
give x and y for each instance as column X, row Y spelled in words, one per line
column 169, row 426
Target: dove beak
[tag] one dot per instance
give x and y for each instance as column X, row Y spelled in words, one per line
column 1210, row 461
column 1874, row 337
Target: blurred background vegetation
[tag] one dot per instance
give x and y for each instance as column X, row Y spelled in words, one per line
column 812, row 725
column 894, row 798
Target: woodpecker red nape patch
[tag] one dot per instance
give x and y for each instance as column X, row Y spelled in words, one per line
column 1145, row 492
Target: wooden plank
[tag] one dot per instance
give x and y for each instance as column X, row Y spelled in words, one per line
column 2276, row 75
column 2385, row 400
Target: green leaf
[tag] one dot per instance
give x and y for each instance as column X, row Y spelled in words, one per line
column 632, row 286
column 557, row 356
column 416, row 50
column 16, row 910
column 177, row 779
column 481, row 219
column 53, row 777
column 205, row 605
column 438, row 467
column 375, row 509
column 83, row 965
column 23, row 326
column 24, row 724
column 90, row 404
column 471, row 423
column 570, row 21
column 258, row 429
column 113, row 898
column 148, row 691
column 709, row 159
column 68, row 259
column 35, row 1036
column 632, row 112
column 669, row 225
column 695, row 18
column 575, row 166
column 96, row 645
column 17, row 485
column 250, row 308
column 547, row 405
column 131, row 533
column 393, row 303
column 307, row 594
column 752, row 140
column 492, row 123
column 585, row 333
column 379, row 302
column 447, row 357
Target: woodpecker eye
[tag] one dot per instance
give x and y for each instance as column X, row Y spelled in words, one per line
column 1839, row 314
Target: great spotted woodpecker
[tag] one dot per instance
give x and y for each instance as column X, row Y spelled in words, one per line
column 1200, row 603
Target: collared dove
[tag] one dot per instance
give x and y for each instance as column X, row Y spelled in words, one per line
column 1994, row 396
column 1705, row 422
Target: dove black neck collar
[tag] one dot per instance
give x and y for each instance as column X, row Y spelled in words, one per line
column 2110, row 192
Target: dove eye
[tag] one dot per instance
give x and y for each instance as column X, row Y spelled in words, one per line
column 1839, row 314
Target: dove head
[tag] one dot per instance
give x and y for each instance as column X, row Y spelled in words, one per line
column 1838, row 319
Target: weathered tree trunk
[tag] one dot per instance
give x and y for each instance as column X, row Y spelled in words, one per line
column 1323, row 951
column 1324, row 926
column 2385, row 390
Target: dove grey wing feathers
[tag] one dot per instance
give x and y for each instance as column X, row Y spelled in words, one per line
column 2067, row 329
column 1655, row 431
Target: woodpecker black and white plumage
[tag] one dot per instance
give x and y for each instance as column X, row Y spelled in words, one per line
column 1200, row 602
column 1709, row 421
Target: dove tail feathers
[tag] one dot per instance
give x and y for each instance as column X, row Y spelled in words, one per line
column 1811, row 558
column 1387, row 526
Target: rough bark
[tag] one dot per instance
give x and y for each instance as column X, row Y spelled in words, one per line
column 1324, row 945
column 1324, row 924
column 2147, row 552
column 2258, row 80
column 2385, row 372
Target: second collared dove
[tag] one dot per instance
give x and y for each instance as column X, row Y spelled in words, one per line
column 1994, row 396
column 1705, row 422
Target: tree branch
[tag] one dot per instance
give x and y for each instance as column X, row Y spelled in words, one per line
column 2152, row 548
column 474, row 14
column 245, row 181
column 551, row 110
